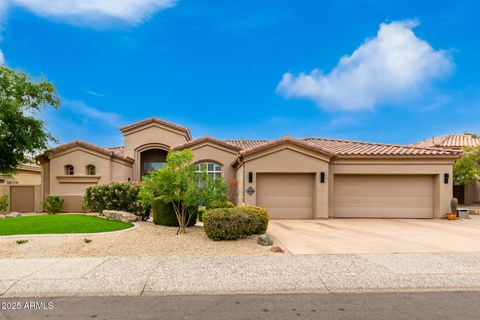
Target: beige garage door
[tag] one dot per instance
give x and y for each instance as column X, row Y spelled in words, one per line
column 22, row 198
column 383, row 196
column 286, row 196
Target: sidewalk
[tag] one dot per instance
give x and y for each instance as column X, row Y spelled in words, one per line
column 217, row 275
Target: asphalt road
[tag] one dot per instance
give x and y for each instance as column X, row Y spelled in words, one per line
column 426, row 305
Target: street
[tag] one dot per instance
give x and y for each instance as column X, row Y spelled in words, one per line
column 420, row 305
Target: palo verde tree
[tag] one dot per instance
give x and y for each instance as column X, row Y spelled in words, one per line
column 22, row 133
column 467, row 168
column 178, row 183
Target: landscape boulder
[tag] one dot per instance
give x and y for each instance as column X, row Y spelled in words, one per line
column 10, row 215
column 120, row 216
column 264, row 240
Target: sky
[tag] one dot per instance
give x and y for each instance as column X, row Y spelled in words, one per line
column 363, row 70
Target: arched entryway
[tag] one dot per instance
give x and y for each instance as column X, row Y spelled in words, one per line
column 152, row 159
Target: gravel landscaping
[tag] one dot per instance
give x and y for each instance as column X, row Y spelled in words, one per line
column 146, row 240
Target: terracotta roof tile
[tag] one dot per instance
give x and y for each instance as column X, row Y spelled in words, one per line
column 451, row 140
column 348, row 147
column 116, row 152
column 155, row 120
column 207, row 138
column 246, row 144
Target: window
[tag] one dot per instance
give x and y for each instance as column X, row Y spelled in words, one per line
column 151, row 166
column 212, row 169
column 69, row 170
column 91, row 170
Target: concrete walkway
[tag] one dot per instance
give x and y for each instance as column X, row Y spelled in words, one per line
column 216, row 275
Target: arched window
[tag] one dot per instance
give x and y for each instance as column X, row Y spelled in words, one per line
column 211, row 168
column 69, row 170
column 91, row 170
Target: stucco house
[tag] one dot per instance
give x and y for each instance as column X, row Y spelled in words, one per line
column 470, row 193
column 293, row 178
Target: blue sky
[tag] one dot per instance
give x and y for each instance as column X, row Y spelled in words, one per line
column 410, row 69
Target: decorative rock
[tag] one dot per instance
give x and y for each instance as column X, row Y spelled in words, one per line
column 264, row 240
column 13, row 215
column 120, row 216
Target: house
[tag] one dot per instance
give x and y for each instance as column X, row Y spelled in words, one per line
column 23, row 188
column 470, row 193
column 293, row 178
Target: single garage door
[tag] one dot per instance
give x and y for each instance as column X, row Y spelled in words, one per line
column 286, row 196
column 383, row 196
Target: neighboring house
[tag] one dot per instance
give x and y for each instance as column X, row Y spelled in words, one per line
column 470, row 193
column 293, row 178
column 23, row 188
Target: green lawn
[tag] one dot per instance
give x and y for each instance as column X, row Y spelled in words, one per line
column 61, row 223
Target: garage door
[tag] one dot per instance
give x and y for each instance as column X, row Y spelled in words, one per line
column 22, row 198
column 383, row 196
column 286, row 196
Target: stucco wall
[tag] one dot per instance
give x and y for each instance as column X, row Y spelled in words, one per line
column 290, row 159
column 72, row 188
column 212, row 153
column 151, row 134
column 472, row 193
column 435, row 167
column 24, row 177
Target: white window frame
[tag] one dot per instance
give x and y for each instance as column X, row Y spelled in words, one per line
column 213, row 173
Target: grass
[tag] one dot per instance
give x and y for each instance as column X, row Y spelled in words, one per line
column 57, row 224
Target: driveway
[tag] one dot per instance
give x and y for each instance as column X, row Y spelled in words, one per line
column 342, row 236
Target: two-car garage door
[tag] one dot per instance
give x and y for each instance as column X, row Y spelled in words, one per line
column 383, row 196
column 291, row 196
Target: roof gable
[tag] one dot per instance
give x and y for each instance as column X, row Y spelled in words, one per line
column 155, row 121
column 207, row 140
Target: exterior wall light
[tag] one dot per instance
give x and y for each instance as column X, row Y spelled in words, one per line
column 250, row 177
column 445, row 178
column 322, row 177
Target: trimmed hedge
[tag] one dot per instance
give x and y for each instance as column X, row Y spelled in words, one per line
column 120, row 196
column 53, row 204
column 164, row 214
column 235, row 223
column 215, row 204
column 260, row 215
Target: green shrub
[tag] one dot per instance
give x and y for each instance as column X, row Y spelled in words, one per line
column 201, row 212
column 53, row 204
column 120, row 196
column 260, row 215
column 226, row 224
column 219, row 204
column 164, row 214
column 4, row 203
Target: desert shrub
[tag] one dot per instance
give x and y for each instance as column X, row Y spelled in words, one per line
column 3, row 203
column 164, row 214
column 259, row 215
column 215, row 204
column 226, row 224
column 53, row 204
column 120, row 196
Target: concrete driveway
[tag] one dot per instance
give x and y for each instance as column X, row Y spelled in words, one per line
column 346, row 236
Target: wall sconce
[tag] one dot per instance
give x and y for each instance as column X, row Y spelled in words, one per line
column 322, row 177
column 250, row 177
column 445, row 178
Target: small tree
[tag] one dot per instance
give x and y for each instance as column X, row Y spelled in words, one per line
column 22, row 133
column 178, row 183
column 467, row 168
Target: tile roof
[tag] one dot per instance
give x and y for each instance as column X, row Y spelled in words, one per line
column 155, row 120
column 354, row 148
column 300, row 142
column 114, row 152
column 357, row 148
column 451, row 140
column 207, row 138
column 247, row 144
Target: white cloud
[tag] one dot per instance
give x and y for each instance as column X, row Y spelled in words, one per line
column 93, row 12
column 2, row 59
column 392, row 67
column 90, row 113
